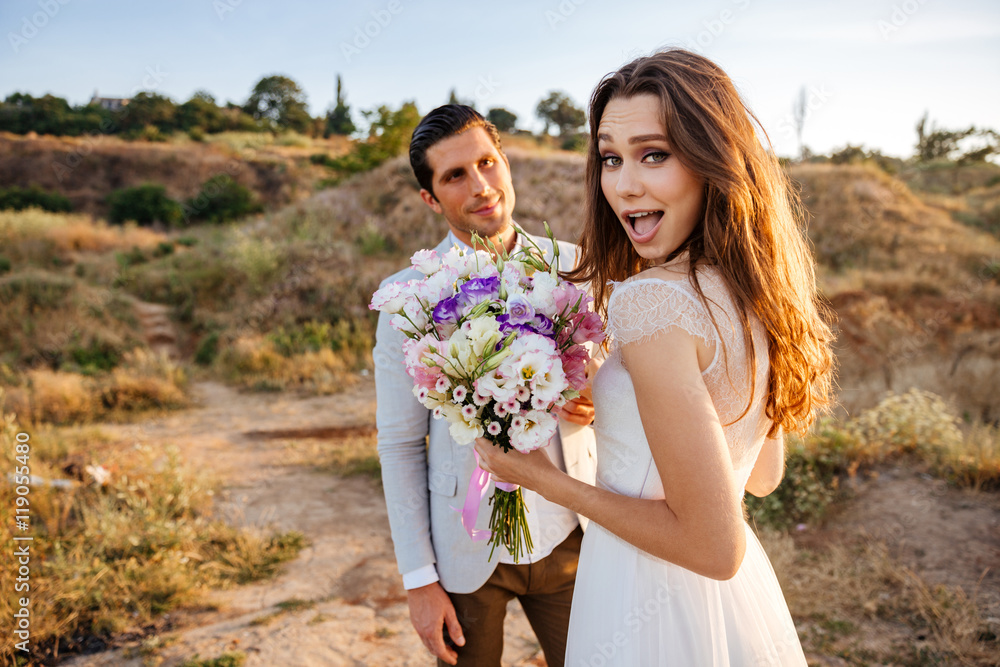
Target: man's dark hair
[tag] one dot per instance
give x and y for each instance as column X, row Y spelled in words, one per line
column 441, row 123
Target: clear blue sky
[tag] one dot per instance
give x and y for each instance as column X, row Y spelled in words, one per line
column 872, row 67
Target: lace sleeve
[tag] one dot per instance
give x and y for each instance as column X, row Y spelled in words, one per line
column 640, row 310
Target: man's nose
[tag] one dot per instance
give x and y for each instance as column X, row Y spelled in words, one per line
column 478, row 183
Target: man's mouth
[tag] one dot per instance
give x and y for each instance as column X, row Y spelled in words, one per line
column 643, row 224
column 487, row 209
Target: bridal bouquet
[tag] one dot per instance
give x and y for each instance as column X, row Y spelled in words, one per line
column 494, row 344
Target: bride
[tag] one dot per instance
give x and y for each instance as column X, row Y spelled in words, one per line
column 717, row 347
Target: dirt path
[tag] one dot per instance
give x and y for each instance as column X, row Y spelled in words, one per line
column 355, row 611
column 157, row 329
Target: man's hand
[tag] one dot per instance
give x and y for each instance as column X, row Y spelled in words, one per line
column 430, row 610
column 580, row 411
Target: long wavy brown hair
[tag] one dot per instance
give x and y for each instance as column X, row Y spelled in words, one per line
column 751, row 228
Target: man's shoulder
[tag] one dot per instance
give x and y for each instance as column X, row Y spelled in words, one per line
column 407, row 274
column 410, row 273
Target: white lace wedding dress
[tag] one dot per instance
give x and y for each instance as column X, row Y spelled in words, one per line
column 631, row 608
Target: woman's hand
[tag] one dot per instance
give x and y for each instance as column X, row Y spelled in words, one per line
column 529, row 470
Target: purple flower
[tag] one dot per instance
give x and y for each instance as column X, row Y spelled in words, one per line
column 447, row 309
column 481, row 289
column 520, row 310
column 506, row 326
column 544, row 326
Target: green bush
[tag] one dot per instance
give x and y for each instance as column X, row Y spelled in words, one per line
column 4, row 265
column 131, row 258
column 19, row 199
column 144, row 204
column 98, row 356
column 208, row 349
column 221, row 199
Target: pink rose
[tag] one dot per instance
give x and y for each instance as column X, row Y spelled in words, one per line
column 588, row 328
column 574, row 363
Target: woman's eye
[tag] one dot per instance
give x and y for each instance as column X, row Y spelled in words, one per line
column 656, row 156
column 611, row 160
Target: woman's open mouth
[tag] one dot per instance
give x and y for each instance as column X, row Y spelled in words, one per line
column 643, row 224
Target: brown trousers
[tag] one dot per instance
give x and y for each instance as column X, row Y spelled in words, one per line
column 545, row 590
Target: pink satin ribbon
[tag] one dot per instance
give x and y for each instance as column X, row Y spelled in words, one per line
column 478, row 484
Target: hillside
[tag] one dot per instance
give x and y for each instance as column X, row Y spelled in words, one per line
column 88, row 169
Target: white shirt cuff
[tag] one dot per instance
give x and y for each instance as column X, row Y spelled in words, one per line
column 428, row 574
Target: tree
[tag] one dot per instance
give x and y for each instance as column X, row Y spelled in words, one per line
column 503, row 119
column 148, row 110
column 279, row 103
column 338, row 119
column 453, row 98
column 800, row 109
column 201, row 112
column 558, row 109
column 934, row 143
column 389, row 135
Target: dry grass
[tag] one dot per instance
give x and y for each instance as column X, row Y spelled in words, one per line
column 253, row 362
column 143, row 381
column 130, row 538
column 852, row 601
column 917, row 425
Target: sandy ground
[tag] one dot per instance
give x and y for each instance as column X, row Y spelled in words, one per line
column 358, row 614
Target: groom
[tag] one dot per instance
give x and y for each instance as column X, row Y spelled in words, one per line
column 457, row 595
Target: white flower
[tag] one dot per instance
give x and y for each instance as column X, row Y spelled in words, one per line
column 465, row 262
column 461, row 353
column 413, row 310
column 390, row 299
column 534, row 431
column 442, row 385
column 464, row 433
column 458, row 395
column 493, row 428
column 541, row 294
column 484, row 334
column 425, row 261
column 435, row 287
column 511, row 277
column 550, row 384
column 497, row 386
column 469, row 412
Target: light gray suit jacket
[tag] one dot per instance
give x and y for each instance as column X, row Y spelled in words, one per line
column 425, row 474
